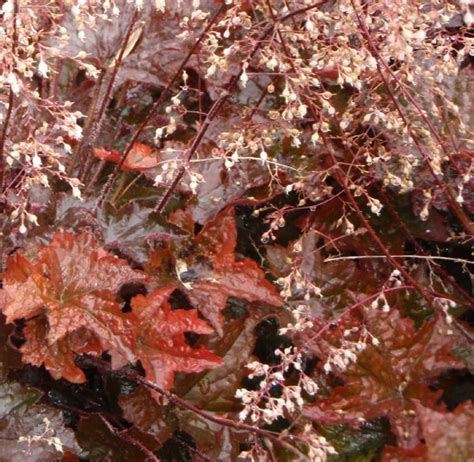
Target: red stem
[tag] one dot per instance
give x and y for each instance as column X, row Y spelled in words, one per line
column 129, row 439
column 10, row 104
column 468, row 226
column 214, row 110
column 341, row 179
column 176, row 400
column 108, row 92
column 155, row 108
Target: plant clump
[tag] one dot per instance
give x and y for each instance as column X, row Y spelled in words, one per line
column 236, row 230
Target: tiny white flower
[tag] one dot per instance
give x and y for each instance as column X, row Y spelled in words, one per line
column 43, row 69
column 193, row 185
column 420, row 35
column 160, row 5
column 244, row 78
column 7, row 9
column 36, row 160
column 32, row 218
column 315, row 137
column 309, row 25
column 159, row 133
column 211, row 70
column 76, row 192
column 14, row 83
column 469, row 18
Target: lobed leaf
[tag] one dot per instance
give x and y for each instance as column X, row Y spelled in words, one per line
column 215, row 273
column 68, row 298
column 161, row 344
column 390, row 378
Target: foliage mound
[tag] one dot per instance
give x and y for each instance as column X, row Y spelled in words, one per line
column 236, row 230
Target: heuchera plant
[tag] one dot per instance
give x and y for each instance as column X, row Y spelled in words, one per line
column 236, row 230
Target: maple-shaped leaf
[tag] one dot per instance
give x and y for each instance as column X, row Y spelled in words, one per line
column 70, row 285
column 161, row 344
column 219, row 443
column 388, row 377
column 129, row 229
column 58, row 357
column 139, row 159
column 215, row 273
column 447, row 437
column 226, row 277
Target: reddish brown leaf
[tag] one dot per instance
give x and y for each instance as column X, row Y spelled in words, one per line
column 58, row 357
column 218, row 238
column 241, row 279
column 141, row 409
column 24, row 290
column 139, row 159
column 227, row 277
column 215, row 390
column 387, row 379
column 28, row 430
column 216, row 273
column 219, row 443
column 183, row 219
column 102, row 442
column 72, row 286
column 448, row 435
column 103, row 154
column 161, row 344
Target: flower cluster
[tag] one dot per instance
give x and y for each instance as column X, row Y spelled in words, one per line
column 261, row 405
